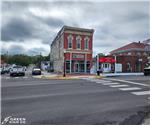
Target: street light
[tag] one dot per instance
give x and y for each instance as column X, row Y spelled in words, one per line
column 64, row 72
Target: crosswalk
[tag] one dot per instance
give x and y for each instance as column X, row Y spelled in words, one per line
column 8, row 77
column 122, row 86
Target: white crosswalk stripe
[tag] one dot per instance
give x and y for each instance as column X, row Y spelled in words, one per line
column 128, row 89
column 117, row 86
column 114, row 83
column 25, row 77
column 103, row 82
column 141, row 93
column 123, row 87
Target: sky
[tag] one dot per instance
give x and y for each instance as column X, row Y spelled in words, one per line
column 29, row 27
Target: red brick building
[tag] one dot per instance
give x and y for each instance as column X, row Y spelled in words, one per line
column 71, row 50
column 134, row 56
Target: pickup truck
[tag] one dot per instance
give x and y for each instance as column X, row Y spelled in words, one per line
column 147, row 71
column 17, row 71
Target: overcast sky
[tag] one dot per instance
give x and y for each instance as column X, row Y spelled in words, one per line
column 29, row 27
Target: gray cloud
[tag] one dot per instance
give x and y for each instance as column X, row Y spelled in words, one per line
column 16, row 29
column 115, row 23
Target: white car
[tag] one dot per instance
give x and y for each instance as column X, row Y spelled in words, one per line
column 17, row 71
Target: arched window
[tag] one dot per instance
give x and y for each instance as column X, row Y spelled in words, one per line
column 70, row 38
column 86, row 43
column 78, row 42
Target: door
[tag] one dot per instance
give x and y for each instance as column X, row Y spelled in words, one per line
column 76, row 67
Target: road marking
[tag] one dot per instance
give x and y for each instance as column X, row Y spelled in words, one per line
column 25, row 77
column 103, row 82
column 114, row 83
column 131, row 88
column 119, row 80
column 97, row 80
column 141, row 93
column 117, row 86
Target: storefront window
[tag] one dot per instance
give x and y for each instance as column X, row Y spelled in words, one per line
column 77, row 66
column 67, row 66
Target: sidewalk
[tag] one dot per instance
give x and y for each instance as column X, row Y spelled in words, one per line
column 122, row 74
column 46, row 75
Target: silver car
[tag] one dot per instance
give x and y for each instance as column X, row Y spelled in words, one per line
column 17, row 71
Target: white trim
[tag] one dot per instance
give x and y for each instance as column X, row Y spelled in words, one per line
column 78, row 38
column 70, row 36
column 86, row 38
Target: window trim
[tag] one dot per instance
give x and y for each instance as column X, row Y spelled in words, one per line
column 78, row 37
column 86, row 39
column 70, row 37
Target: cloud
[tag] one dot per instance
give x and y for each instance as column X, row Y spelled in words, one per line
column 34, row 25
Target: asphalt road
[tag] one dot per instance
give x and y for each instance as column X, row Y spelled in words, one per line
column 76, row 102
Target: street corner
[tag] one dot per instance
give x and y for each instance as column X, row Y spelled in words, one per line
column 99, row 77
column 55, row 77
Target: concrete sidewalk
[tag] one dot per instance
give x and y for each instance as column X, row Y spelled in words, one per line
column 122, row 74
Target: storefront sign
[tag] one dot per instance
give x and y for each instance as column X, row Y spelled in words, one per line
column 107, row 60
column 78, row 56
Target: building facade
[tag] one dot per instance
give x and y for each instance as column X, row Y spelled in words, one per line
column 134, row 56
column 71, row 50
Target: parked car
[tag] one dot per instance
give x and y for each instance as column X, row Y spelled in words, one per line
column 17, row 71
column 36, row 71
column 4, row 70
column 147, row 71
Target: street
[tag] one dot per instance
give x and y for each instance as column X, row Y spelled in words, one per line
column 107, row 101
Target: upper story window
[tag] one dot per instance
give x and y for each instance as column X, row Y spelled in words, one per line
column 78, row 42
column 70, row 38
column 86, row 43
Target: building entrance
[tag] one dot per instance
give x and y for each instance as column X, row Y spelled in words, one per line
column 76, row 67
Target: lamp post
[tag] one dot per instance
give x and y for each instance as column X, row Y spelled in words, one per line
column 64, row 72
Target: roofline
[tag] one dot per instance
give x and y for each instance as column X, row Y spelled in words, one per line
column 77, row 29
column 117, row 50
column 65, row 27
column 127, row 50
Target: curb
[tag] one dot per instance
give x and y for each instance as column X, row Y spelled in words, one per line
column 66, row 78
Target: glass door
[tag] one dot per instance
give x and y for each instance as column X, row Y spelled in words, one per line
column 76, row 67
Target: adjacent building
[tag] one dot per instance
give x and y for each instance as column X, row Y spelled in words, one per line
column 133, row 56
column 71, row 50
